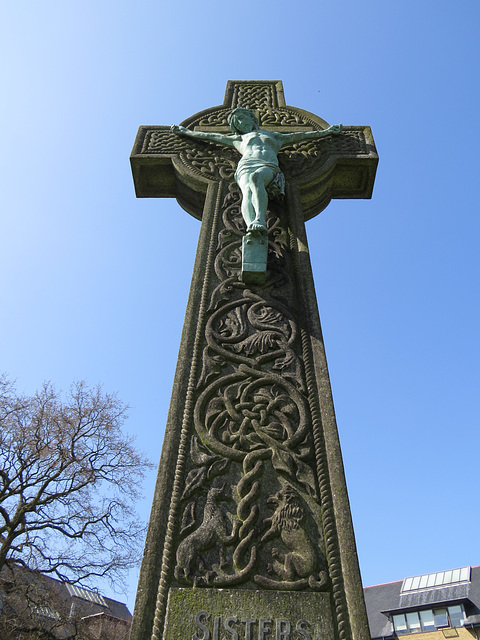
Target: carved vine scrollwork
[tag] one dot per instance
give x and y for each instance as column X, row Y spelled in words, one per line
column 252, row 431
column 283, row 116
column 212, row 162
column 297, row 159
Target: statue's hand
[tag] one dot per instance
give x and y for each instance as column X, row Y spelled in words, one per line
column 178, row 129
column 336, row 128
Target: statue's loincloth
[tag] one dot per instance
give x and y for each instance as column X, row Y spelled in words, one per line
column 276, row 187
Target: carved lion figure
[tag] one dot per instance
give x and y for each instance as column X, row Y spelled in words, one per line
column 288, row 522
column 212, row 531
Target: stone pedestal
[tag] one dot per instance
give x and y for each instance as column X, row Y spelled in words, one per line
column 254, row 258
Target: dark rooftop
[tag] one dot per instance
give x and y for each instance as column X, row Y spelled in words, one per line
column 388, row 598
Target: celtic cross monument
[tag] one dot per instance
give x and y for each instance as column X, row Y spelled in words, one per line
column 250, row 535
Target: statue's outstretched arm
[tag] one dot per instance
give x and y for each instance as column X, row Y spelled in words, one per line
column 218, row 138
column 298, row 136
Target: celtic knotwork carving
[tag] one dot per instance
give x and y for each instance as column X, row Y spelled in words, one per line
column 297, row 159
column 349, row 143
column 216, row 118
column 245, row 412
column 203, row 556
column 240, row 415
column 283, row 116
column 254, row 96
column 162, row 141
column 248, row 490
column 273, row 331
column 252, row 421
column 250, row 332
column 207, row 467
column 232, row 219
column 212, row 162
column 229, row 253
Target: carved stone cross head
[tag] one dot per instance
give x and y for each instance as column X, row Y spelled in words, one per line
column 317, row 170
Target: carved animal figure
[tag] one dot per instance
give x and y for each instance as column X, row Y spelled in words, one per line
column 212, row 530
column 288, row 522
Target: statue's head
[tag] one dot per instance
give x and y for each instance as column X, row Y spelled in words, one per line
column 242, row 120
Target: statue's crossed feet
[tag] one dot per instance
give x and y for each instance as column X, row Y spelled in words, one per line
column 256, row 228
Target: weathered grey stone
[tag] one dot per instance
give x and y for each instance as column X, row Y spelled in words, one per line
column 250, row 508
column 248, row 615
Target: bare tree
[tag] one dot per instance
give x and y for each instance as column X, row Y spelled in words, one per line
column 69, row 482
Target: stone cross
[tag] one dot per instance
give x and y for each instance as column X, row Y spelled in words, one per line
column 250, row 534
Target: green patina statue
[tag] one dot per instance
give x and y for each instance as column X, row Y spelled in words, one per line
column 258, row 174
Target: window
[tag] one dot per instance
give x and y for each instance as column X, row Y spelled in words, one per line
column 429, row 619
column 43, row 611
column 413, row 622
column 457, row 615
column 400, row 624
column 441, row 618
column 439, row 579
column 85, row 594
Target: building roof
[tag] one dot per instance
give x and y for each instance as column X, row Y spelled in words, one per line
column 393, row 597
column 27, row 595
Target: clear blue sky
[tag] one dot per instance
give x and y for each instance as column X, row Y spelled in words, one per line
column 94, row 282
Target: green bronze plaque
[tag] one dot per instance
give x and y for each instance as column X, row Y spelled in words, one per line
column 254, row 258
